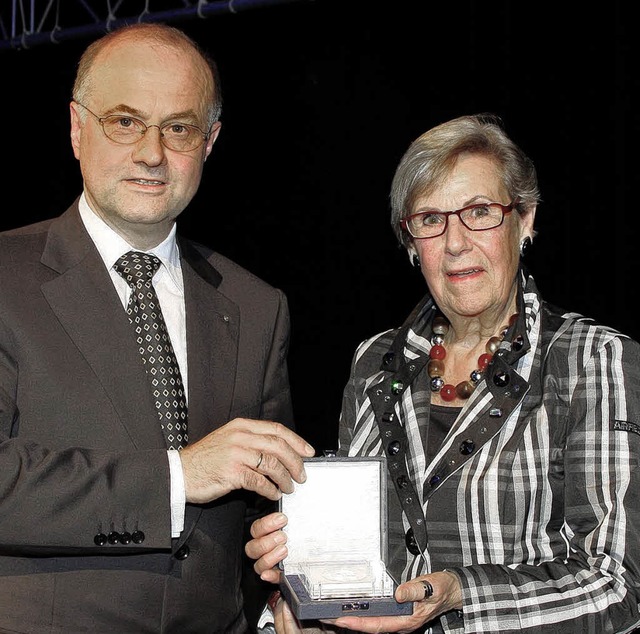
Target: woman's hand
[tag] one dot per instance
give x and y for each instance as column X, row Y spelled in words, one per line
column 268, row 546
column 286, row 623
column 432, row 594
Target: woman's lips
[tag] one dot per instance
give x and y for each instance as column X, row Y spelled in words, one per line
column 464, row 273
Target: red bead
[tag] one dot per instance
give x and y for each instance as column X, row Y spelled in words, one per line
column 437, row 352
column 483, row 361
column 448, row 392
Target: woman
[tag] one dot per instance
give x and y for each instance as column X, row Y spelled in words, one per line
column 515, row 425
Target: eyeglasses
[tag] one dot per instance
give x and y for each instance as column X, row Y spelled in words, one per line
column 478, row 217
column 127, row 130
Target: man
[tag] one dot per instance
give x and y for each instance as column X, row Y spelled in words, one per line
column 124, row 489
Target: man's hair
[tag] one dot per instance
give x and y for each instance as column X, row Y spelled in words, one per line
column 154, row 32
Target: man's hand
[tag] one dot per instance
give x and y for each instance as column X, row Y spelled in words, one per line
column 261, row 456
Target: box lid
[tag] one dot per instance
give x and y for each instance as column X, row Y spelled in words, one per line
column 338, row 514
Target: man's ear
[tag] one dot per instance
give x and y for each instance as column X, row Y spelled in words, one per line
column 213, row 135
column 76, row 129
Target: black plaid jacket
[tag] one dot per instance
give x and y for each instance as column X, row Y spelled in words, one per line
column 533, row 498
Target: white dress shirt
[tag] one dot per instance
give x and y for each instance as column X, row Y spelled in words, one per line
column 170, row 290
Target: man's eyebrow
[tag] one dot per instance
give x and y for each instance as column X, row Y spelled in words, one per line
column 122, row 107
column 134, row 112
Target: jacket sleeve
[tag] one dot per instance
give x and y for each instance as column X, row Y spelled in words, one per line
column 594, row 509
column 276, row 406
column 55, row 498
column 276, row 400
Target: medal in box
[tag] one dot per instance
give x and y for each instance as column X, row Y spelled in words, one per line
column 337, row 541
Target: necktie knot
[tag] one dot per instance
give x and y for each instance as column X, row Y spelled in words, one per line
column 137, row 268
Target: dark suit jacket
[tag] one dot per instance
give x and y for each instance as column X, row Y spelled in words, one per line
column 81, row 451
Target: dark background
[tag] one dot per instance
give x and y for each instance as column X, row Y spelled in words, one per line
column 321, row 99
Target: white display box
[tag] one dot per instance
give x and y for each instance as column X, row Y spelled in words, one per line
column 337, row 541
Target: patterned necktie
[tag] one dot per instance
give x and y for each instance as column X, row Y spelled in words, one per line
column 155, row 346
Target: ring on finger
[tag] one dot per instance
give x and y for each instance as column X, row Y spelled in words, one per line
column 260, row 460
column 428, row 589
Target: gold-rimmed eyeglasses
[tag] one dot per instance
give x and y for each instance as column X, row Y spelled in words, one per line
column 476, row 217
column 127, row 130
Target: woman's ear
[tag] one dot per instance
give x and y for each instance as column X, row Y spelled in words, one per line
column 528, row 219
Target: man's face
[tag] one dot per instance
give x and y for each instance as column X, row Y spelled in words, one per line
column 139, row 189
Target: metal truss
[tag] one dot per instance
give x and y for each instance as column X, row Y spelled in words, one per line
column 29, row 23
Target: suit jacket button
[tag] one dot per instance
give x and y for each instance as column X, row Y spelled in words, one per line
column 113, row 537
column 100, row 539
column 182, row 552
column 137, row 537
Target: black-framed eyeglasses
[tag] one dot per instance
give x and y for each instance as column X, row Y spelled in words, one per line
column 127, row 130
column 476, row 217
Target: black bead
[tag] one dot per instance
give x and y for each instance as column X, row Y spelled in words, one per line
column 182, row 553
column 100, row 539
column 125, row 538
column 501, row 379
column 410, row 541
column 393, row 449
column 467, row 447
column 113, row 537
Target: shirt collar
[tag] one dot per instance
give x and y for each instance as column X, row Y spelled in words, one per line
column 111, row 246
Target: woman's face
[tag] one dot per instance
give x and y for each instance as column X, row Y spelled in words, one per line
column 472, row 273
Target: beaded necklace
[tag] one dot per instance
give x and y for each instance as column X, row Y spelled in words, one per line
column 435, row 367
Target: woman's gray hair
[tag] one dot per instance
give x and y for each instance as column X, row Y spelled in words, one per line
column 432, row 156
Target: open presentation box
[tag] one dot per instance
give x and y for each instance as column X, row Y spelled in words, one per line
column 337, row 541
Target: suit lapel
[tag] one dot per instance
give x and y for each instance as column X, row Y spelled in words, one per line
column 212, row 349
column 212, row 344
column 86, row 303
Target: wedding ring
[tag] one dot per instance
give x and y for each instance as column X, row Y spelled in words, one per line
column 428, row 589
column 260, row 460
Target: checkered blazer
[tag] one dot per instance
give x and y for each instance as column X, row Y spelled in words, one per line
column 533, row 498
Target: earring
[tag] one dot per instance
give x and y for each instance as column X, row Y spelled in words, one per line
column 415, row 260
column 525, row 245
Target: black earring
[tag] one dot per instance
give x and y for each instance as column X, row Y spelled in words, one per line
column 415, row 260
column 525, row 245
